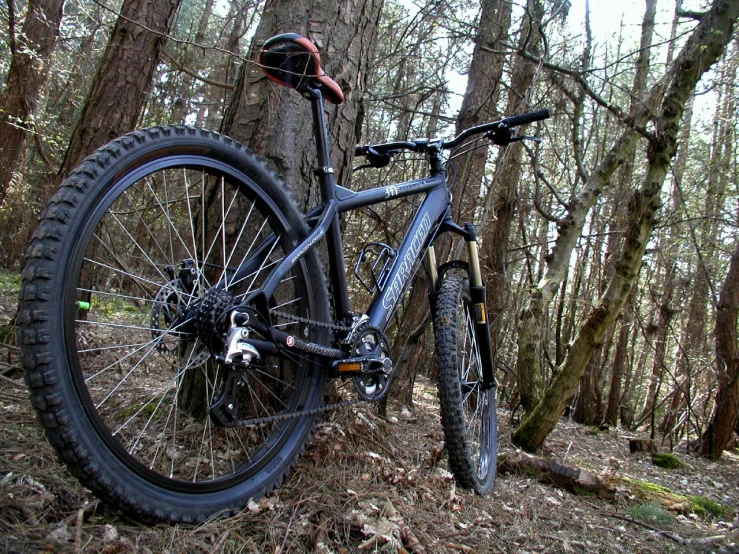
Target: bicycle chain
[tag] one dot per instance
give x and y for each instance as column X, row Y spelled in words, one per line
column 297, row 318
column 301, row 413
column 311, row 411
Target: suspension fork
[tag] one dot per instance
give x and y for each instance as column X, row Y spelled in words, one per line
column 477, row 293
column 479, row 313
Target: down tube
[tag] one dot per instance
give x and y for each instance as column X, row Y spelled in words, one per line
column 417, row 239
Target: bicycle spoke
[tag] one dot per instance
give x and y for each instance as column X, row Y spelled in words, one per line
column 233, row 250
column 248, row 250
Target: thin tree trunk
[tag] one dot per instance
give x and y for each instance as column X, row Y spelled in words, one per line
column 496, row 234
column 31, row 50
column 619, row 363
column 480, row 104
column 703, row 48
column 121, row 86
column 660, row 346
column 717, row 435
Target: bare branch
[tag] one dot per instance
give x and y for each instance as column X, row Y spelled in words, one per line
column 697, row 16
column 179, row 67
column 577, row 76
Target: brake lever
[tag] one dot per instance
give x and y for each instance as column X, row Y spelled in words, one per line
column 503, row 135
column 376, row 159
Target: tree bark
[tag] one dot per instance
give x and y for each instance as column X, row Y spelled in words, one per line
column 121, row 85
column 479, row 104
column 31, row 51
column 660, row 345
column 638, row 88
column 619, row 363
column 703, row 48
column 694, row 347
column 496, row 234
column 276, row 122
column 717, row 435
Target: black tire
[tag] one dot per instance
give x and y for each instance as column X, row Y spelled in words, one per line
column 122, row 393
column 467, row 411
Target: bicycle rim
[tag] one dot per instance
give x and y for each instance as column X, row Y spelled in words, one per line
column 145, row 381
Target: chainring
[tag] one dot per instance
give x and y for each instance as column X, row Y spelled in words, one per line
column 370, row 342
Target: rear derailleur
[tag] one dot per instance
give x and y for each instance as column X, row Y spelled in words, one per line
column 239, row 356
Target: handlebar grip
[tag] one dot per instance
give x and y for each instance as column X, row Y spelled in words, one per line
column 525, row 118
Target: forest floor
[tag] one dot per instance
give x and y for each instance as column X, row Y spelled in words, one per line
column 370, row 484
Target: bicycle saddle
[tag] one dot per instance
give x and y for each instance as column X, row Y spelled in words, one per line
column 293, row 61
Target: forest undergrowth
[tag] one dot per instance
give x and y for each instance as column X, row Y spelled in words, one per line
column 372, row 484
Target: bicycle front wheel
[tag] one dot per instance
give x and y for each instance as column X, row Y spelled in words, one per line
column 137, row 257
column 467, row 410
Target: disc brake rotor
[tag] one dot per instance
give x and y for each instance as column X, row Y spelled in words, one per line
column 167, row 312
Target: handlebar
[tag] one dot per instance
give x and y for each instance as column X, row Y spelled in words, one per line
column 421, row 145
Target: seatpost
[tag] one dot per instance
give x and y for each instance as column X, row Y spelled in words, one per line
column 325, row 174
column 324, row 171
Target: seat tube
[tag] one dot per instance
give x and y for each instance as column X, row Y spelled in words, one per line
column 325, row 174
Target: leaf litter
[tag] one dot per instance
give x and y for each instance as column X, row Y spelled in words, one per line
column 370, row 484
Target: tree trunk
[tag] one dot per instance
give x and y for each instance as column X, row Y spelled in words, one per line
column 660, row 346
column 276, row 122
column 717, row 435
column 703, row 48
column 29, row 67
column 619, row 364
column 638, row 88
column 121, row 85
column 706, row 239
column 680, row 372
column 480, row 105
column 496, row 234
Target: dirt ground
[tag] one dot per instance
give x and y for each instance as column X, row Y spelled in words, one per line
column 368, row 484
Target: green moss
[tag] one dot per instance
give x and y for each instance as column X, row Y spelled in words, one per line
column 667, row 461
column 531, row 472
column 699, row 505
column 141, row 410
column 8, row 333
column 650, row 512
column 579, row 491
column 592, row 431
column 702, row 506
column 649, row 487
column 10, row 283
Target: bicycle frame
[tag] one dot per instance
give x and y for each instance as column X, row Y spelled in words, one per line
column 431, row 218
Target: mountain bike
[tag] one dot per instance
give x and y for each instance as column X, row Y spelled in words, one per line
column 178, row 324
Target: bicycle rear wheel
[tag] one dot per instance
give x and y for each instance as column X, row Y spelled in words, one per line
column 467, row 410
column 116, row 335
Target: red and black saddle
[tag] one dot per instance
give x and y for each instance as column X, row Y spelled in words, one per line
column 293, row 61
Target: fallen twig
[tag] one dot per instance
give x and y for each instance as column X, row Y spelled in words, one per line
column 667, row 534
column 219, row 543
column 78, row 531
column 287, row 530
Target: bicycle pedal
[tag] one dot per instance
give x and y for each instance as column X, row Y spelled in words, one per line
column 349, row 366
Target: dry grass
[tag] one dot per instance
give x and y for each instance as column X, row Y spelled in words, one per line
column 368, row 484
